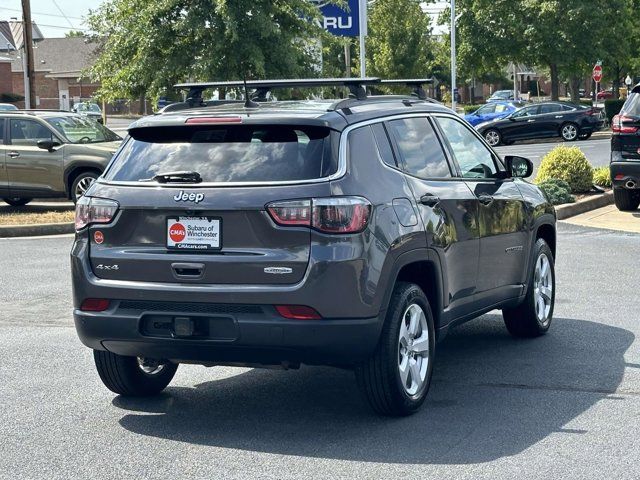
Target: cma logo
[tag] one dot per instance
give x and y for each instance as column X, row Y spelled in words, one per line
column 336, row 23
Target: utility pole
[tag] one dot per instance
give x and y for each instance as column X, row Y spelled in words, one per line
column 30, row 92
column 453, row 55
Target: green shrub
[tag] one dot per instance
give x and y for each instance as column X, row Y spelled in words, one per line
column 10, row 97
column 558, row 191
column 612, row 108
column 470, row 108
column 602, row 177
column 568, row 164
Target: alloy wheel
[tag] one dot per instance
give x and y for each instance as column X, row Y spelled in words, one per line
column 413, row 349
column 543, row 289
column 569, row 132
column 83, row 185
column 492, row 137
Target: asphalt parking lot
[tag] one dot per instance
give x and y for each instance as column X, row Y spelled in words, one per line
column 563, row 406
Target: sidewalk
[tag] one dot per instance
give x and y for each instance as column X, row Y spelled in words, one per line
column 610, row 218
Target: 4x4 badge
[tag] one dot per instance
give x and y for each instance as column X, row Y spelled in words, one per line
column 189, row 197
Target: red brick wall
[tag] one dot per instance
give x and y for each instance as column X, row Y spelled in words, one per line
column 46, row 89
column 6, row 84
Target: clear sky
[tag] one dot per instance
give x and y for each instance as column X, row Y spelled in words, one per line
column 50, row 14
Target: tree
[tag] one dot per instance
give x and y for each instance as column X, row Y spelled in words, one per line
column 75, row 33
column 398, row 43
column 145, row 46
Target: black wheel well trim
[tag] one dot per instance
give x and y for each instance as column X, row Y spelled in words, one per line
column 419, row 258
column 72, row 172
column 545, row 227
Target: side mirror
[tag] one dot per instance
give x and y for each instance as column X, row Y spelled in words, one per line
column 519, row 167
column 48, row 144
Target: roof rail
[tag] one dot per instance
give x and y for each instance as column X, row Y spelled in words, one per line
column 356, row 86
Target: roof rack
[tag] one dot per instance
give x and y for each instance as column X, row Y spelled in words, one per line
column 415, row 83
column 356, row 86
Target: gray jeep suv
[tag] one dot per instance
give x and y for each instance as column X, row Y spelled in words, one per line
column 351, row 233
column 50, row 153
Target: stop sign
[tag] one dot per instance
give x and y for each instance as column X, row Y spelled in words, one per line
column 597, row 73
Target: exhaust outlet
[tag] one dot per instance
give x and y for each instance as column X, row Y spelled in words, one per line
column 630, row 184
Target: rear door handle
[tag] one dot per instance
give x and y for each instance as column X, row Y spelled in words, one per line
column 14, row 154
column 485, row 199
column 558, row 116
column 530, row 121
column 429, row 200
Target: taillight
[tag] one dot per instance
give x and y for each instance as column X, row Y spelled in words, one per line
column 328, row 215
column 91, row 210
column 94, row 305
column 298, row 312
column 291, row 213
column 617, row 125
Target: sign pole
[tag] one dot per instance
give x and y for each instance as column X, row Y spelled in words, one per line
column 453, row 55
column 363, row 33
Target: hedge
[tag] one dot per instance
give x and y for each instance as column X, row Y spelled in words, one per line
column 10, row 97
column 612, row 108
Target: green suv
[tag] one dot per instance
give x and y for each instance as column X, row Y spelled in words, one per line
column 47, row 154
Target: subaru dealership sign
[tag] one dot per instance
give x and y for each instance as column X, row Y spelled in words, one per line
column 343, row 22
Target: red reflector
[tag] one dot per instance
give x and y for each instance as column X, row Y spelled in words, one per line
column 619, row 176
column 298, row 312
column 94, row 305
column 213, row 120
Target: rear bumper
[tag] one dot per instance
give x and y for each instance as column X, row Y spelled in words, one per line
column 260, row 339
column 627, row 171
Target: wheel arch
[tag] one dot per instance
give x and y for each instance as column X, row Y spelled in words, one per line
column 547, row 232
column 78, row 168
column 423, row 268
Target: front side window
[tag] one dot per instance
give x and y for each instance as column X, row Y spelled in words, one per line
column 419, row 148
column 475, row 160
column 77, row 129
column 526, row 112
column 28, row 133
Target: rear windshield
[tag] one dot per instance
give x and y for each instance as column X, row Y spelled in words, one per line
column 226, row 153
column 632, row 105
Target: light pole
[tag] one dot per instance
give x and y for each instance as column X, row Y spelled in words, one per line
column 453, row 55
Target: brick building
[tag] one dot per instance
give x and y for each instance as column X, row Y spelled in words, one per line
column 59, row 64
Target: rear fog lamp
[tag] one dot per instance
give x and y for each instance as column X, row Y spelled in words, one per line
column 94, row 305
column 297, row 312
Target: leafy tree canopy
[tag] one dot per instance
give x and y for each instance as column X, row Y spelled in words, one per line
column 148, row 45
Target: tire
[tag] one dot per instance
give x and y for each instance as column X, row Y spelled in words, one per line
column 379, row 377
column 626, row 200
column 493, row 137
column 17, row 201
column 125, row 375
column 585, row 136
column 81, row 184
column 569, row 132
column 528, row 319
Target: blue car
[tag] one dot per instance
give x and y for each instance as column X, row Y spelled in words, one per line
column 492, row 111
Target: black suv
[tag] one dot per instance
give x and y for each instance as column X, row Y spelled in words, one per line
column 625, row 153
column 351, row 233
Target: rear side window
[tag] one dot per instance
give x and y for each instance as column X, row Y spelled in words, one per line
column 226, row 153
column 632, row 105
column 1, row 130
column 419, row 148
column 550, row 108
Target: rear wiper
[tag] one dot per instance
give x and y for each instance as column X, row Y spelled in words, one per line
column 175, row 177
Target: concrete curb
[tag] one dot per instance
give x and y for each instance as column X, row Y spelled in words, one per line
column 7, row 231
column 584, row 205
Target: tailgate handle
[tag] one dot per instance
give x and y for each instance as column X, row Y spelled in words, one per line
column 190, row 271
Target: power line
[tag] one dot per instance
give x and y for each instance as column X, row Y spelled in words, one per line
column 41, row 13
column 65, row 17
